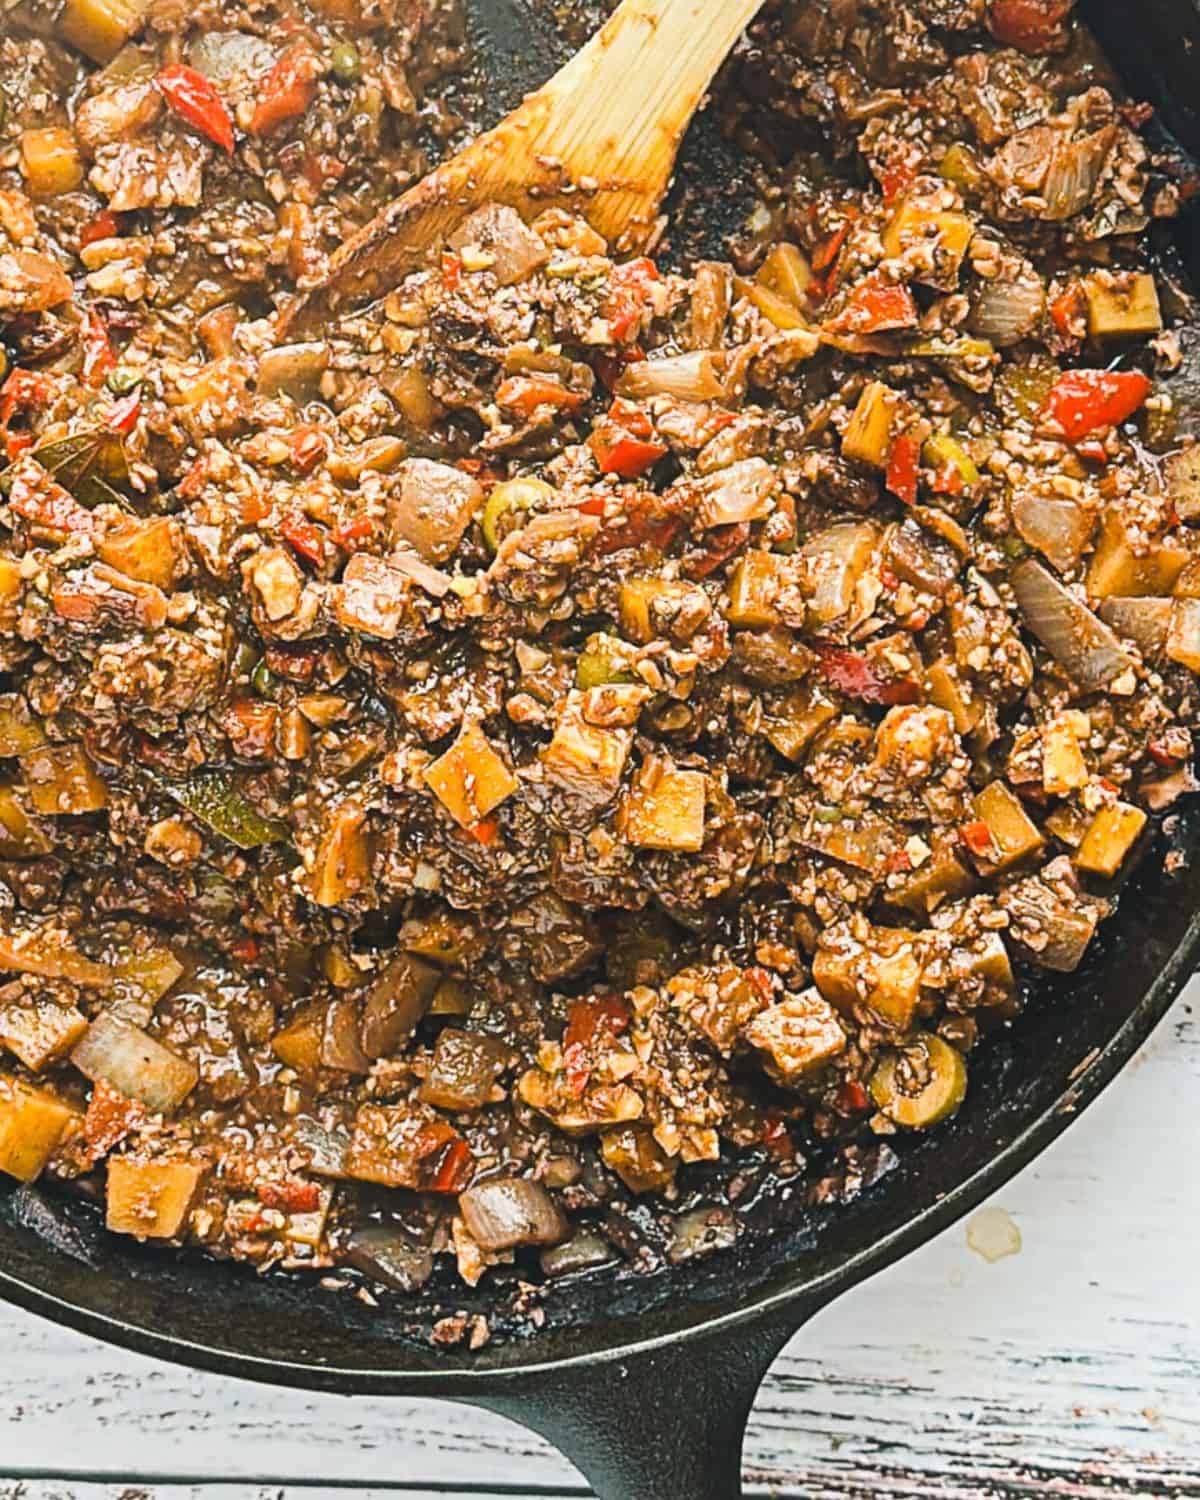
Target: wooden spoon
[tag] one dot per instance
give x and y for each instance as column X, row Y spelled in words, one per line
column 600, row 137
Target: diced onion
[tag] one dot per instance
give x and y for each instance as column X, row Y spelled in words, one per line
column 686, row 377
column 388, row 1256
column 1082, row 644
column 742, row 492
column 135, row 1065
column 1005, row 312
column 508, row 1211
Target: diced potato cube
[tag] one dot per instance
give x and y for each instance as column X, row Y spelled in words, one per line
column 40, row 1032
column 19, row 730
column 664, row 809
column 150, row 1199
column 786, row 272
column 940, row 877
column 752, row 589
column 1126, row 310
column 914, row 226
column 1187, row 585
column 100, row 28
column 32, row 1123
column 20, row 836
column 947, row 690
column 145, row 548
column 470, row 779
column 298, row 1045
column 1182, row 473
column 791, row 719
column 798, row 1035
column 342, row 863
column 1014, row 836
column 1063, row 765
column 868, row 435
column 1183, row 633
column 50, row 161
column 1116, row 570
column 1109, row 838
column 61, row 780
column 10, row 580
column 637, row 604
column 884, row 974
column 584, row 760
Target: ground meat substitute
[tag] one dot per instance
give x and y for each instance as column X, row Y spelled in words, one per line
column 575, row 721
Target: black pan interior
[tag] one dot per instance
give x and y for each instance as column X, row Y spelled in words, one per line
column 1025, row 1087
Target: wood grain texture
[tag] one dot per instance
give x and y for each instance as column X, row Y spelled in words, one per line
column 1069, row 1370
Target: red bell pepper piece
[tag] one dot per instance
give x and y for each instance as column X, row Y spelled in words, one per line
column 619, row 453
column 1034, row 26
column 194, row 99
column 630, row 285
column 307, row 539
column 109, row 1119
column 525, row 393
column 901, row 477
column 48, row 505
column 288, row 90
column 452, row 269
column 455, row 1170
column 1067, row 312
column 896, row 178
column 723, row 543
column 854, row 674
column 346, row 533
column 293, row 1197
column 486, row 831
column 246, row 948
column 587, row 1020
column 875, row 306
column 977, row 837
column 98, row 356
column 105, row 226
column 778, row 1139
column 24, row 390
column 1084, row 401
column 637, row 528
column 123, row 414
column 851, row 1098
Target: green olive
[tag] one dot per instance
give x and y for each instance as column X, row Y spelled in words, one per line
column 345, row 62
column 920, row 1085
column 124, row 379
column 510, row 498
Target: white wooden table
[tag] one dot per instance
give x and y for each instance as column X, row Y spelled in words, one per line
column 1070, row 1369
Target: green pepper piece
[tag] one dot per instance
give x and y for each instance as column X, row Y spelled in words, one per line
column 941, row 451
column 599, row 663
column 213, row 796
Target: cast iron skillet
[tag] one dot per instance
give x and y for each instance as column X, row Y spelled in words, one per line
column 646, row 1382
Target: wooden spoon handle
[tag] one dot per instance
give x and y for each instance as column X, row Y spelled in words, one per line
column 619, row 108
column 600, row 138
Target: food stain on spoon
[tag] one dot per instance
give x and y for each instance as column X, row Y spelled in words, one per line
column 993, row 1234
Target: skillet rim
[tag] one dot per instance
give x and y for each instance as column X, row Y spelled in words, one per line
column 794, row 1302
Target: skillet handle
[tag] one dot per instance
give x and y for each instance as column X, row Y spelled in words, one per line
column 661, row 1424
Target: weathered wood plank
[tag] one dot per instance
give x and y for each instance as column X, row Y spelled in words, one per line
column 1071, row 1369
column 73, row 1489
